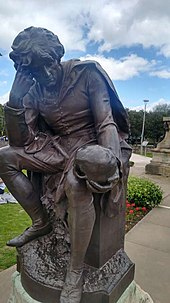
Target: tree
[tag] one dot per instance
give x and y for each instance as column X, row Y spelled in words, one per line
column 154, row 122
column 154, row 129
column 135, row 119
column 162, row 108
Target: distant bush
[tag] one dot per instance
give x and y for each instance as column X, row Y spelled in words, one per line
column 143, row 192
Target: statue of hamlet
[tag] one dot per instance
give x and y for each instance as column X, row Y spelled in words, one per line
column 63, row 119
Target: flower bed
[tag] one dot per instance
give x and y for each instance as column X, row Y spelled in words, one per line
column 142, row 196
column 134, row 214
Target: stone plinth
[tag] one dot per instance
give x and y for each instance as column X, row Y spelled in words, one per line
column 133, row 294
column 160, row 163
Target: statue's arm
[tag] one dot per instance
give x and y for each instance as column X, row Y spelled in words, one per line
column 21, row 86
column 106, row 128
column 20, row 112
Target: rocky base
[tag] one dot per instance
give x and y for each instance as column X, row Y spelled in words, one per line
column 133, row 294
column 43, row 263
column 105, row 284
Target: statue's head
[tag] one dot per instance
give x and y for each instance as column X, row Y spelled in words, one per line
column 98, row 166
column 33, row 43
column 39, row 51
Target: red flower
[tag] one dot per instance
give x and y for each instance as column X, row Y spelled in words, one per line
column 133, row 204
column 144, row 208
column 128, row 205
column 137, row 208
column 131, row 211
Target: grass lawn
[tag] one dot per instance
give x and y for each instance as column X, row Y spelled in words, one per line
column 13, row 221
column 149, row 154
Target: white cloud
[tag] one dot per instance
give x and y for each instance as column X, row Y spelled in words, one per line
column 122, row 69
column 165, row 50
column 165, row 74
column 126, row 23
column 112, row 23
column 159, row 102
column 150, row 106
column 64, row 18
column 4, row 98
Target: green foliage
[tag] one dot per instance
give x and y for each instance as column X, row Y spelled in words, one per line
column 13, row 220
column 136, row 119
column 154, row 129
column 149, row 154
column 162, row 108
column 143, row 192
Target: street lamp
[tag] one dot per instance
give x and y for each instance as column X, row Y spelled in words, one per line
column 143, row 126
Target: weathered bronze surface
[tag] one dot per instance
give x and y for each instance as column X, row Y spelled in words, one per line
column 67, row 127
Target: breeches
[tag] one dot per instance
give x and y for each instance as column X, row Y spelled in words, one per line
column 15, row 158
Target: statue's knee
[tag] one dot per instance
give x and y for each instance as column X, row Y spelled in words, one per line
column 77, row 191
column 5, row 158
column 72, row 183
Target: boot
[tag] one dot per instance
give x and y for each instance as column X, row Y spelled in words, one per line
column 72, row 289
column 24, row 192
column 40, row 227
column 30, row 234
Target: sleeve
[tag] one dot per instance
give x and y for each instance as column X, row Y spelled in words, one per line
column 21, row 124
column 106, row 128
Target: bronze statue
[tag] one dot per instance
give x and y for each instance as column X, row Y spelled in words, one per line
column 62, row 118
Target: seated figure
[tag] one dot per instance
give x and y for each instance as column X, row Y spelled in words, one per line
column 63, row 119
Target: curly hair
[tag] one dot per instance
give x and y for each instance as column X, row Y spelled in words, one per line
column 38, row 42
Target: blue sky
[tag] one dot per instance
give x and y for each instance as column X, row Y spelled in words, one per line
column 129, row 38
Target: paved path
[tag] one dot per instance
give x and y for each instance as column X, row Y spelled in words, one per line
column 5, row 283
column 147, row 244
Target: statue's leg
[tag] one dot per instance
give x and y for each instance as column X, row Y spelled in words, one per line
column 11, row 165
column 81, row 216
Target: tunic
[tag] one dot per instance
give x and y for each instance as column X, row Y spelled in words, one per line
column 87, row 110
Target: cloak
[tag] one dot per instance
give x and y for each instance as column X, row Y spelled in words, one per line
column 120, row 115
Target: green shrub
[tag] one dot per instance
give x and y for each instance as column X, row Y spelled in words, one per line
column 143, row 192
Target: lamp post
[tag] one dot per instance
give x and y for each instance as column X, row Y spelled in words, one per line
column 143, row 126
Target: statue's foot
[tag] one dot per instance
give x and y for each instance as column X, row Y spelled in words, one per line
column 72, row 289
column 30, row 234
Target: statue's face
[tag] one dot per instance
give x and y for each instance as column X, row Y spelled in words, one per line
column 47, row 73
